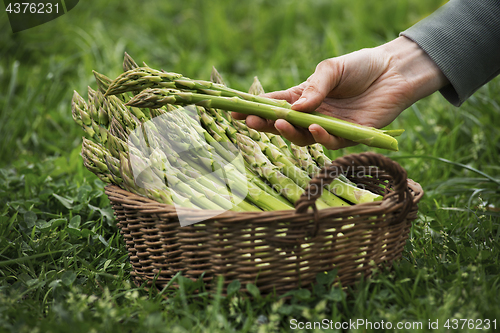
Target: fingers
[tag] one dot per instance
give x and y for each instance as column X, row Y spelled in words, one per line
column 319, row 85
column 315, row 133
column 239, row 116
column 299, row 136
column 331, row 142
column 257, row 123
column 261, row 124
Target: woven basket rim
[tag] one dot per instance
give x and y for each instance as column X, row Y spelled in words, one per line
column 131, row 200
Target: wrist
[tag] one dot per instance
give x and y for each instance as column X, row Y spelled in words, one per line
column 415, row 66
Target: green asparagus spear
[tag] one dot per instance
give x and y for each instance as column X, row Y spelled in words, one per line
column 154, row 98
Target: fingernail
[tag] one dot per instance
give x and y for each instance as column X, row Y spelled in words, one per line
column 313, row 128
column 299, row 101
column 277, row 125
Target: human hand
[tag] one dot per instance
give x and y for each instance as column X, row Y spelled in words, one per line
column 370, row 87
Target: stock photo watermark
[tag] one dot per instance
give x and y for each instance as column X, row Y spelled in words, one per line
column 363, row 324
column 179, row 162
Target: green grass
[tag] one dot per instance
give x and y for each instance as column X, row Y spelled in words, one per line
column 63, row 264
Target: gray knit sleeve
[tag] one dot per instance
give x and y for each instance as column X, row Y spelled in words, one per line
column 463, row 39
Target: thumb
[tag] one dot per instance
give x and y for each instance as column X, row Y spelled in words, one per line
column 324, row 79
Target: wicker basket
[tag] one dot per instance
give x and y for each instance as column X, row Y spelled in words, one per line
column 280, row 250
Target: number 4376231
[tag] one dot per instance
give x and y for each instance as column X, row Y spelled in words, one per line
column 470, row 324
column 32, row 8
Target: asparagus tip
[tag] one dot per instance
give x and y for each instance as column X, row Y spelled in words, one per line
column 256, row 87
column 215, row 77
column 128, row 62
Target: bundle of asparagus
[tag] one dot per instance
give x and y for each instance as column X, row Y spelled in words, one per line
column 172, row 139
column 162, row 88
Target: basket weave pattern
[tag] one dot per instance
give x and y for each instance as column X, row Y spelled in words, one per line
column 280, row 250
